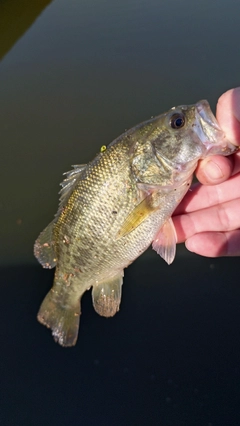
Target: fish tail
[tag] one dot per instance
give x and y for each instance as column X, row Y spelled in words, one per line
column 62, row 318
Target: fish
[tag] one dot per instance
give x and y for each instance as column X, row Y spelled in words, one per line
column 113, row 208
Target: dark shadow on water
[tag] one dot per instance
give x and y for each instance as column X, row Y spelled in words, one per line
column 169, row 357
column 16, row 17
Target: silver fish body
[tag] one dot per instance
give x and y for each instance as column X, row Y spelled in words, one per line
column 112, row 209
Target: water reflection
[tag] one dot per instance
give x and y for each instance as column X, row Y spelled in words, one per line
column 15, row 19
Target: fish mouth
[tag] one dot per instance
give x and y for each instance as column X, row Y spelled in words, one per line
column 210, row 133
column 206, row 115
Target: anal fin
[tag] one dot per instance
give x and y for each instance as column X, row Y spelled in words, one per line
column 106, row 296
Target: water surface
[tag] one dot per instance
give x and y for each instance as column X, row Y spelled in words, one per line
column 73, row 76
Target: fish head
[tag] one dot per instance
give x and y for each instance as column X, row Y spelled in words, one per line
column 191, row 132
column 176, row 140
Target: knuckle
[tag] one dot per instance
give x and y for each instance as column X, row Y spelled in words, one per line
column 224, row 218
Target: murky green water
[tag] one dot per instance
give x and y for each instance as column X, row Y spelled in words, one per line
column 76, row 74
column 73, row 76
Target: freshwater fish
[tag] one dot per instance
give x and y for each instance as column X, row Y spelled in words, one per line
column 114, row 207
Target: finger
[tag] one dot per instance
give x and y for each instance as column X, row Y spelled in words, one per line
column 214, row 170
column 214, row 244
column 223, row 217
column 202, row 196
column 228, row 114
column 236, row 162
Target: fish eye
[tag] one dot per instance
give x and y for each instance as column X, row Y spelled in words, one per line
column 177, row 121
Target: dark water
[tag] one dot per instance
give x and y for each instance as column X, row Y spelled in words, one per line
column 73, row 76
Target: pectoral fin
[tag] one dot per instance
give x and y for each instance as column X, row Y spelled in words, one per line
column 106, row 296
column 165, row 242
column 138, row 215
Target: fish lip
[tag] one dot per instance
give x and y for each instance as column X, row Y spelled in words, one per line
column 206, row 115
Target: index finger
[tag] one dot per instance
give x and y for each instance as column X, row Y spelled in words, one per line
column 202, row 196
column 216, row 169
column 225, row 166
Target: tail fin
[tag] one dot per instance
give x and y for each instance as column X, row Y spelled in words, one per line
column 63, row 320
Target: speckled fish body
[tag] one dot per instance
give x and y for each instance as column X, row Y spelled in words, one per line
column 112, row 209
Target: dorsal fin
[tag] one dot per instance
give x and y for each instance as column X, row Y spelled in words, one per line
column 44, row 249
column 69, row 181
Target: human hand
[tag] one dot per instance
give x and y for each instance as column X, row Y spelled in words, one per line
column 208, row 218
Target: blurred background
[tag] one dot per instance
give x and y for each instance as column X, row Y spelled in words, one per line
column 73, row 76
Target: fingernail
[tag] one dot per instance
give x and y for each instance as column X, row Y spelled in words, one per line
column 212, row 170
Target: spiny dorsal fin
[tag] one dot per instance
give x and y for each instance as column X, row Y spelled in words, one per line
column 68, row 183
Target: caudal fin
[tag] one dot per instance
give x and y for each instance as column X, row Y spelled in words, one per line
column 62, row 320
